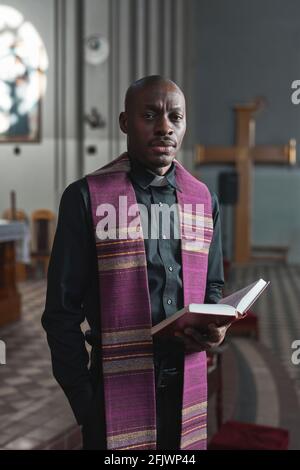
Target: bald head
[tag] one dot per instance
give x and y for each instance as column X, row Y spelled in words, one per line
column 154, row 121
column 147, row 82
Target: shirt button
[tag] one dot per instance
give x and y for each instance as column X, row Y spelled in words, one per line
column 169, row 301
column 170, row 268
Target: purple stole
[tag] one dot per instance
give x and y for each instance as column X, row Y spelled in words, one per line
column 127, row 348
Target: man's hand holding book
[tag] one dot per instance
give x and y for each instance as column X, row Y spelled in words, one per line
column 197, row 341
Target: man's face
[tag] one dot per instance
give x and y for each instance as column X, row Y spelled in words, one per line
column 155, row 125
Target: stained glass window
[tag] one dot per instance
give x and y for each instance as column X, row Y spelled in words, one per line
column 23, row 66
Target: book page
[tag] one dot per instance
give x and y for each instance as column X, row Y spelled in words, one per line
column 249, row 299
column 212, row 309
column 197, row 316
column 243, row 298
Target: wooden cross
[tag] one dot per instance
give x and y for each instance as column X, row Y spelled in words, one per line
column 243, row 155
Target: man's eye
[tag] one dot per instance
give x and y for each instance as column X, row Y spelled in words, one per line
column 177, row 117
column 149, row 115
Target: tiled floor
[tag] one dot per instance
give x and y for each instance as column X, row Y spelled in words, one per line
column 278, row 310
column 34, row 411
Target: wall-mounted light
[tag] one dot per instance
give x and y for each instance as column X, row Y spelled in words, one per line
column 96, row 49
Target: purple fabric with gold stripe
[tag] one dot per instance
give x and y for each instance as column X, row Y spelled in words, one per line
column 194, row 269
column 128, row 369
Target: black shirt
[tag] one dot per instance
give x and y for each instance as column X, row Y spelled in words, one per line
column 72, row 292
column 164, row 254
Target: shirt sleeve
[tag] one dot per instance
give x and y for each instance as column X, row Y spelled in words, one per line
column 215, row 273
column 68, row 277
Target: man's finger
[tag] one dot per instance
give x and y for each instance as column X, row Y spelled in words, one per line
column 211, row 337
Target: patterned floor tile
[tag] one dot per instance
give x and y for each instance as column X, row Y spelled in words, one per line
column 30, row 399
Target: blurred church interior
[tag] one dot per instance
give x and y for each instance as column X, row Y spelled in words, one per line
column 64, row 68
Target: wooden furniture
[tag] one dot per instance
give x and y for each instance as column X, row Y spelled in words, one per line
column 10, row 300
column 274, row 254
column 43, row 226
column 248, row 327
column 243, row 155
column 214, row 380
column 20, row 215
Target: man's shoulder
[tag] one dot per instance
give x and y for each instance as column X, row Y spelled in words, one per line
column 192, row 180
column 76, row 193
column 76, row 187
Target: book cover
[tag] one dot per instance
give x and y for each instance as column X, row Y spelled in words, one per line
column 199, row 316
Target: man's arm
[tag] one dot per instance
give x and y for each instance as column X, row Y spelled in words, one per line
column 70, row 270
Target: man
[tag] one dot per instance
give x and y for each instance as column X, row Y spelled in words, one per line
column 138, row 393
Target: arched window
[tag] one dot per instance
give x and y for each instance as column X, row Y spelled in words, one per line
column 23, row 66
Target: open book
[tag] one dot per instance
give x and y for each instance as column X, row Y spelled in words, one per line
column 199, row 316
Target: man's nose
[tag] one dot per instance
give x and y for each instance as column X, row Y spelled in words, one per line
column 163, row 126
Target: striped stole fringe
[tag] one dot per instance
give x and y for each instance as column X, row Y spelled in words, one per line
column 127, row 347
column 195, row 203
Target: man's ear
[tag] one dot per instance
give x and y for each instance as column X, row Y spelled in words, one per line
column 123, row 122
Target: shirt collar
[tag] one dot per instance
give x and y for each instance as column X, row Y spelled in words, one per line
column 144, row 177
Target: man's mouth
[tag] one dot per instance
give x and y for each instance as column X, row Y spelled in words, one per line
column 163, row 147
column 163, row 143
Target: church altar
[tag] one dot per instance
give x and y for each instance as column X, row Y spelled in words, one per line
column 10, row 300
